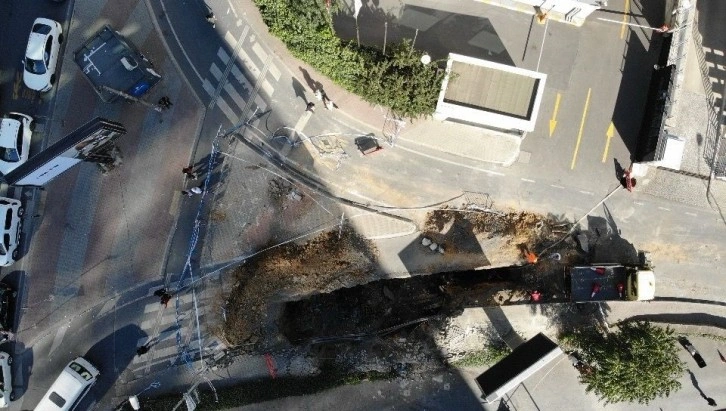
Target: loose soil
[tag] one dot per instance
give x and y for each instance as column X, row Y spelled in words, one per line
column 320, row 296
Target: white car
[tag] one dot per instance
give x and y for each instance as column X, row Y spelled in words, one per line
column 41, row 56
column 15, row 132
column 6, row 380
column 11, row 209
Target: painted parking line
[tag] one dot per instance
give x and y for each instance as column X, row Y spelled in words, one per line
column 582, row 128
column 527, row 180
column 637, row 203
column 691, row 214
column 589, row 193
column 664, row 209
column 556, row 186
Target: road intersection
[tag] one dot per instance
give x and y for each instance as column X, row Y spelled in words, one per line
column 100, row 245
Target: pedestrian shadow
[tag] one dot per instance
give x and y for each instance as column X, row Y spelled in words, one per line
column 299, row 90
column 314, row 85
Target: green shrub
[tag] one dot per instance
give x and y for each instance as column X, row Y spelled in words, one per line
column 397, row 80
column 490, row 355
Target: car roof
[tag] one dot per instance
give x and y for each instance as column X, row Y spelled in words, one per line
column 9, row 128
column 36, row 45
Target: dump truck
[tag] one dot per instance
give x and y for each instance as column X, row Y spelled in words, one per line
column 609, row 282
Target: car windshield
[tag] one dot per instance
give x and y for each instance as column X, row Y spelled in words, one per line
column 9, row 154
column 35, row 66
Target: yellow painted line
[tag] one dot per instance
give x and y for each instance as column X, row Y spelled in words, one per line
column 582, row 127
column 626, row 14
column 609, row 134
column 553, row 121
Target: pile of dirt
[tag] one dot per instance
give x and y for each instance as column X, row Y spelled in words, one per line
column 330, row 261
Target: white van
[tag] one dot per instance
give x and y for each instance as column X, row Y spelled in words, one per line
column 69, row 388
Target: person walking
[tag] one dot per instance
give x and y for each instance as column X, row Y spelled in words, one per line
column 327, row 102
column 142, row 350
column 310, row 107
column 212, row 19
column 165, row 298
column 189, row 173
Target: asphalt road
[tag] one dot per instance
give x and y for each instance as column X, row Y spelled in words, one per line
column 84, row 255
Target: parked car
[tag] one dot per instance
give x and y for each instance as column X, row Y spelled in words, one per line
column 6, row 380
column 41, row 55
column 7, row 303
column 11, row 209
column 15, row 133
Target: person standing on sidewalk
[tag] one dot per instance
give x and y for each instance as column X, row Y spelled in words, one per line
column 189, row 173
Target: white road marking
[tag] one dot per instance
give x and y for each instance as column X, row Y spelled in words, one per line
column 586, row 192
column 527, row 180
column 237, row 73
column 275, row 72
column 215, row 71
column 208, row 87
column 171, row 26
column 267, row 87
column 638, row 203
column 227, row 110
column 236, row 97
column 106, row 308
column 556, row 186
column 222, row 54
column 691, row 214
column 483, row 170
column 260, row 103
column 664, row 209
column 259, row 51
column 58, row 337
column 247, row 61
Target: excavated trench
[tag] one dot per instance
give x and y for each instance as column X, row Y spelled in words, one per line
column 386, row 307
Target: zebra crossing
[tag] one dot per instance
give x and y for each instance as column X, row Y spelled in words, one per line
column 241, row 82
column 174, row 334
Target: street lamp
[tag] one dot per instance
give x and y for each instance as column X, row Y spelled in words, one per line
column 425, row 59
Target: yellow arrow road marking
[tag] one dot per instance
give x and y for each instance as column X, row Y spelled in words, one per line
column 626, row 14
column 609, row 134
column 582, row 127
column 553, row 121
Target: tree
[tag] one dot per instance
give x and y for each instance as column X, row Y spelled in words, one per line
column 639, row 362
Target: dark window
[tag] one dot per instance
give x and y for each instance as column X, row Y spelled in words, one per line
column 35, row 66
column 41, row 29
column 8, row 218
column 57, row 399
column 81, row 370
column 48, row 48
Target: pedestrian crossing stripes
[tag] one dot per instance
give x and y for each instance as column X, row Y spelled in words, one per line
column 249, row 64
column 171, row 332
